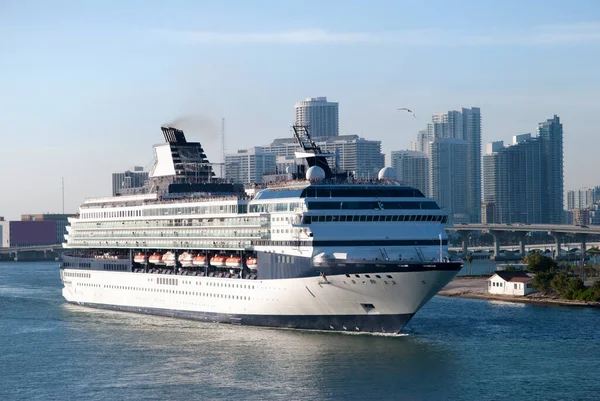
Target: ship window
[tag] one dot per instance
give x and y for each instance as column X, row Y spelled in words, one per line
column 363, row 218
column 369, row 218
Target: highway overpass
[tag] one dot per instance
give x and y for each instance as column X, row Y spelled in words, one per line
column 557, row 231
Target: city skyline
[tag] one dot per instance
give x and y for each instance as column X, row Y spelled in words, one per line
column 90, row 85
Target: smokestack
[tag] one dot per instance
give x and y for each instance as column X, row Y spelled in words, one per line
column 173, row 135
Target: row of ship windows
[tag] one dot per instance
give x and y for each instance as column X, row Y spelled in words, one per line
column 370, row 279
column 274, row 207
column 214, row 209
column 224, row 232
column 164, row 243
column 162, row 290
column 166, row 211
column 79, row 264
column 206, row 222
column 175, row 281
column 114, row 267
column 430, row 205
column 372, row 218
column 80, row 275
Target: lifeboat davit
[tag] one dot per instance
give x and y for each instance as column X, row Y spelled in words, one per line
column 169, row 259
column 218, row 261
column 186, row 259
column 155, row 258
column 140, row 258
column 199, row 260
column 234, row 261
column 252, row 263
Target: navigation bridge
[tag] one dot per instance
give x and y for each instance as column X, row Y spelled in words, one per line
column 557, row 231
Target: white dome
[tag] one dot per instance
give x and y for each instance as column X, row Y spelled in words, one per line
column 387, row 174
column 315, row 173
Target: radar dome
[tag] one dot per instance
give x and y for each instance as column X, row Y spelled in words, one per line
column 387, row 174
column 315, row 173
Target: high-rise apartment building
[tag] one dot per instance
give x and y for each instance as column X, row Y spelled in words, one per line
column 582, row 198
column 551, row 132
column 462, row 124
column 513, row 178
column 128, row 180
column 249, row 165
column 319, row 115
column 471, row 121
column 448, row 179
column 524, row 181
column 421, row 143
column 412, row 168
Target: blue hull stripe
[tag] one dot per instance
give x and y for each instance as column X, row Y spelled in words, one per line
column 372, row 323
column 339, row 268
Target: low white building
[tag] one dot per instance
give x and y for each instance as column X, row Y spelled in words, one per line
column 510, row 283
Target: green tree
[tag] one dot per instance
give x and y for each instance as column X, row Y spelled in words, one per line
column 575, row 288
column 542, row 281
column 559, row 283
column 537, row 263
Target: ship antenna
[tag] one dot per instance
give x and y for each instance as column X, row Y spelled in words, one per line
column 222, row 146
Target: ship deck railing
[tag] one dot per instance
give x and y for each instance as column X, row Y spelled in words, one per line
column 165, row 200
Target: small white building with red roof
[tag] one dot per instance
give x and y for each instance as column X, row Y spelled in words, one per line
column 510, row 283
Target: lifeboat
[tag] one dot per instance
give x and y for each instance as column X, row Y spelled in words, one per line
column 199, row 260
column 169, row 259
column 252, row 263
column 155, row 258
column 234, row 261
column 218, row 261
column 186, row 259
column 140, row 258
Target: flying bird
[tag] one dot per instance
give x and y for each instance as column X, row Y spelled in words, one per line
column 408, row 110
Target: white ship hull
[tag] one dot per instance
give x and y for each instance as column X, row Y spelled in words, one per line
column 363, row 303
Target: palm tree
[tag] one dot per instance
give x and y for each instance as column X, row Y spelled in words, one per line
column 593, row 252
column 469, row 259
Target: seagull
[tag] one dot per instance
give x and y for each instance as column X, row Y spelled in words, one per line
column 408, row 110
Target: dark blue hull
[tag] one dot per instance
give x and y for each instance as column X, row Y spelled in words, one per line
column 373, row 323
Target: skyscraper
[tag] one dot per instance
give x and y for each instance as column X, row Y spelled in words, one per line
column 448, row 182
column 464, row 124
column 513, row 181
column 551, row 132
column 412, row 168
column 320, row 115
column 129, row 180
column 471, row 121
column 249, row 165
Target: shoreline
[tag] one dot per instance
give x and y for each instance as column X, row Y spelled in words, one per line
column 476, row 288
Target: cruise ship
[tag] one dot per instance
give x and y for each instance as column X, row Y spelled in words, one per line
column 320, row 250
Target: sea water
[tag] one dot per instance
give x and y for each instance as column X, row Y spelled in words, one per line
column 453, row 349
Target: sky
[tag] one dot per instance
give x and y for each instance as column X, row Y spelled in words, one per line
column 86, row 85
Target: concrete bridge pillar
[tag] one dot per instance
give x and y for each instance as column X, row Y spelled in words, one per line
column 521, row 235
column 497, row 237
column 557, row 241
column 464, row 236
column 582, row 240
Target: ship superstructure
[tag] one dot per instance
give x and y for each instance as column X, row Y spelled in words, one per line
column 309, row 253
